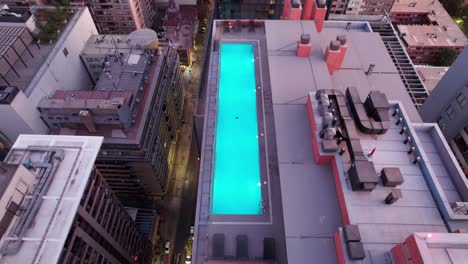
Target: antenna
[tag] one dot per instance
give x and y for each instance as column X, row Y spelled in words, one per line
column 116, row 50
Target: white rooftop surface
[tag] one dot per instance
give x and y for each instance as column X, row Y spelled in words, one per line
column 44, row 240
column 311, row 210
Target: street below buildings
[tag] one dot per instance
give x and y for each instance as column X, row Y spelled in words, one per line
column 179, row 204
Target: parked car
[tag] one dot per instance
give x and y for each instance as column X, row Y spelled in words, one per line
column 166, row 247
column 188, row 258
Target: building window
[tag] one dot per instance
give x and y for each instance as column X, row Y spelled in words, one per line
column 462, row 146
column 442, row 124
column 450, row 112
column 65, row 52
column 461, row 100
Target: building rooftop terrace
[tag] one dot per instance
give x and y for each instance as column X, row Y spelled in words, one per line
column 449, row 32
column 432, row 191
column 136, row 73
column 431, row 75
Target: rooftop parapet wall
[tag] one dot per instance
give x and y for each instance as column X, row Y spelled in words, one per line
column 430, row 170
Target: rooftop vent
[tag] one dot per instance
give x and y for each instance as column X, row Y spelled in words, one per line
column 295, row 3
column 304, row 47
column 321, row 3
column 305, row 38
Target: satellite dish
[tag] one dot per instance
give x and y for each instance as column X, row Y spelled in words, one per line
column 144, row 37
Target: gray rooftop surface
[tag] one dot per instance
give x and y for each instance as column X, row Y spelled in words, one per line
column 306, row 75
column 311, row 210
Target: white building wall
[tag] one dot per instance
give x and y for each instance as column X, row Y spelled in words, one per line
column 59, row 71
column 20, row 117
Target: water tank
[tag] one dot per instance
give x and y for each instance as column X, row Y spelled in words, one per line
column 143, row 38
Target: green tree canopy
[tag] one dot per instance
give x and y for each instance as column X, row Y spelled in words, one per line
column 446, row 57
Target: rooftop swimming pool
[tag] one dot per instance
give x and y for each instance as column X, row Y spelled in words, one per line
column 237, row 184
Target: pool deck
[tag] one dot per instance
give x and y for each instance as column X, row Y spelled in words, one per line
column 270, row 224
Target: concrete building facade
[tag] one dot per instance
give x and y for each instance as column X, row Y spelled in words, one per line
column 250, row 9
column 119, row 17
column 448, row 106
column 75, row 214
column 361, row 7
column 39, row 70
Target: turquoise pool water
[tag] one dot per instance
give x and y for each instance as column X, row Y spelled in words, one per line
column 237, row 187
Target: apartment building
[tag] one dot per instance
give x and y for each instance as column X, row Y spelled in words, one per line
column 426, row 29
column 99, row 47
column 361, row 7
column 30, row 70
column 56, row 207
column 121, row 16
column 448, row 104
column 136, row 106
column 179, row 29
column 23, row 5
column 250, row 9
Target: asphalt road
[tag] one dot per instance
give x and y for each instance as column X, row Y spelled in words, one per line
column 178, row 206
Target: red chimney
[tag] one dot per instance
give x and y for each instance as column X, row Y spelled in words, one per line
column 292, row 10
column 343, row 48
column 332, row 56
column 304, row 46
column 307, row 12
column 319, row 11
column 286, row 9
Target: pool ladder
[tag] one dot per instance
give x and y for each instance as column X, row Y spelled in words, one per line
column 261, row 207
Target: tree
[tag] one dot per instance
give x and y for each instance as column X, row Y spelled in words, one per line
column 459, row 11
column 446, row 57
column 188, row 246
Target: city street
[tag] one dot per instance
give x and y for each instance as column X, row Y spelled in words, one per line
column 178, row 207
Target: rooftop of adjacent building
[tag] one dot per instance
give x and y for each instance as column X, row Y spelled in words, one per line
column 180, row 26
column 106, row 44
column 187, row 14
column 431, row 75
column 426, row 35
column 12, row 15
column 132, row 76
column 441, row 24
column 24, row 72
column 71, row 160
